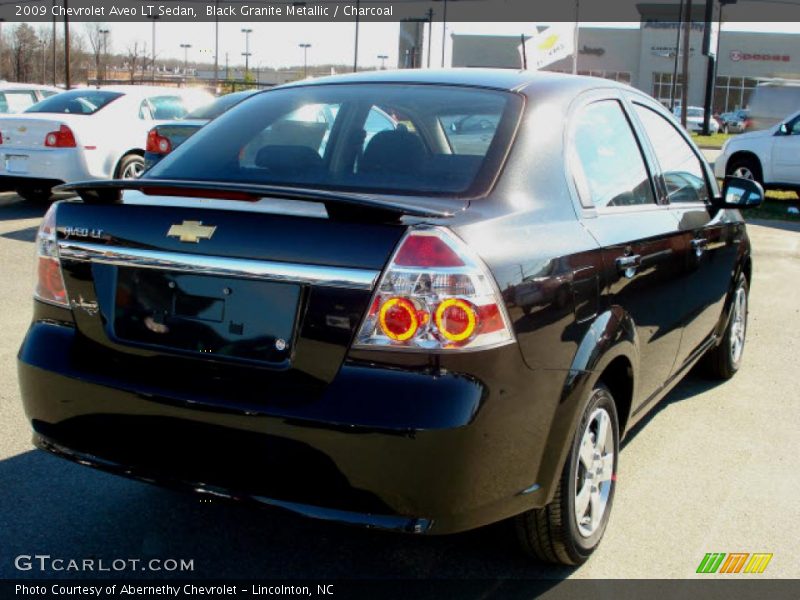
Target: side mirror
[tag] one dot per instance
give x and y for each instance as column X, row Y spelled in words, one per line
column 784, row 129
column 740, row 193
column 454, row 127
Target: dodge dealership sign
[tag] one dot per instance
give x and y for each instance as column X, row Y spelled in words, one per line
column 738, row 55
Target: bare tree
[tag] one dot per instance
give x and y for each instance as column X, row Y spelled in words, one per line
column 98, row 45
column 136, row 57
column 23, row 46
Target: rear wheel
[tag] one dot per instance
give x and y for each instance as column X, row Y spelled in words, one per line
column 747, row 168
column 35, row 194
column 570, row 528
column 130, row 167
column 724, row 360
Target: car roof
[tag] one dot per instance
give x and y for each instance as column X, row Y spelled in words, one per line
column 500, row 79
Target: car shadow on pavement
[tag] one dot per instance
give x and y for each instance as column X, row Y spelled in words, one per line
column 21, row 235
column 14, row 209
column 693, row 384
column 65, row 510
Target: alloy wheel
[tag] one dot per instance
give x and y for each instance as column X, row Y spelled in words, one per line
column 133, row 170
column 738, row 324
column 594, row 472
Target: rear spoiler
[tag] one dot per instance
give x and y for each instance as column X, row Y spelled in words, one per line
column 109, row 191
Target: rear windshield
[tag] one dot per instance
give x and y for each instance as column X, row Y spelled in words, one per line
column 392, row 138
column 75, row 102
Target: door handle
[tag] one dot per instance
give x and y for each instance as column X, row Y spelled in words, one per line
column 699, row 246
column 627, row 265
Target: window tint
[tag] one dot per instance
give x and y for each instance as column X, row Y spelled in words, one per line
column 612, row 170
column 471, row 134
column 303, row 133
column 77, row 102
column 377, row 137
column 377, row 121
column 682, row 170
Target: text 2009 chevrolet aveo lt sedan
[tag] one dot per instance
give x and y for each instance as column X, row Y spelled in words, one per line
column 427, row 327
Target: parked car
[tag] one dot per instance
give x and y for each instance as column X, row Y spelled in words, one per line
column 164, row 138
column 17, row 97
column 769, row 156
column 736, row 121
column 694, row 119
column 280, row 314
column 85, row 134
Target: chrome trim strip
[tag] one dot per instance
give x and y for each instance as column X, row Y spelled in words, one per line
column 325, row 276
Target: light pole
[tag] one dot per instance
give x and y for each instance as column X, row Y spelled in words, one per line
column 55, row 36
column 444, row 30
column 67, row 82
column 382, row 58
column 305, row 48
column 355, row 51
column 185, row 57
column 216, row 46
column 246, row 52
column 430, row 34
column 104, row 33
column 154, row 18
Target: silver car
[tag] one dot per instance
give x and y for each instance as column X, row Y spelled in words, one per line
column 87, row 133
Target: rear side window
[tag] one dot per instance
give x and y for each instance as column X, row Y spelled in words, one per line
column 387, row 138
column 163, row 108
column 16, row 101
column 76, row 102
column 681, row 168
column 610, row 168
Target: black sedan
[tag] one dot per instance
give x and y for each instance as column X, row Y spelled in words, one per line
column 163, row 139
column 380, row 325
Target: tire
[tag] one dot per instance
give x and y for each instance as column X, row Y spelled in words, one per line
column 746, row 167
column 554, row 533
column 35, row 194
column 130, row 167
column 723, row 361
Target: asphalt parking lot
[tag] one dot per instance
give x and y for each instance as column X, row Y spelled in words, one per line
column 713, row 469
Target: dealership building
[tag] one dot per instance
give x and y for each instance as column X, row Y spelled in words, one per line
column 645, row 58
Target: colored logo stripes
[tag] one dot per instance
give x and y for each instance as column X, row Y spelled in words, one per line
column 734, row 562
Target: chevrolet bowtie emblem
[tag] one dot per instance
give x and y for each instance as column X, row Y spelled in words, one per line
column 191, row 231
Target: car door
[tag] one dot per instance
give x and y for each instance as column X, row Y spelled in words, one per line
column 640, row 238
column 786, row 153
column 709, row 236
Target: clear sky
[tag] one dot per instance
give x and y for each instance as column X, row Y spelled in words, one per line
column 276, row 44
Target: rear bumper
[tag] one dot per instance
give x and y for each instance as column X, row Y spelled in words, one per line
column 60, row 164
column 419, row 451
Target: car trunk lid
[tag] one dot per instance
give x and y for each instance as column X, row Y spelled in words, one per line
column 227, row 284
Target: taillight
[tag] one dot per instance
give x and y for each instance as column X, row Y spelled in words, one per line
column 435, row 295
column 50, row 282
column 63, row 138
column 157, row 143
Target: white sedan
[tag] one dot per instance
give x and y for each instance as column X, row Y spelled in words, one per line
column 770, row 156
column 694, row 119
column 89, row 133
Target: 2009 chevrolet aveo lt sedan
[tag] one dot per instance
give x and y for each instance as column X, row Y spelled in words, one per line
column 340, row 300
